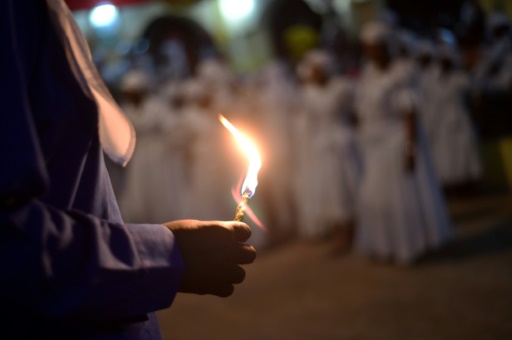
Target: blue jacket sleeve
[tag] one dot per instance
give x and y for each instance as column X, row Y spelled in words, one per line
column 56, row 263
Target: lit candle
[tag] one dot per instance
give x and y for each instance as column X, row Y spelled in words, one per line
column 251, row 180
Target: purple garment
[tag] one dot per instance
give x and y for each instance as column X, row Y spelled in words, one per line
column 69, row 267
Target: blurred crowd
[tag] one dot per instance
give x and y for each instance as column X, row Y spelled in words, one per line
column 362, row 159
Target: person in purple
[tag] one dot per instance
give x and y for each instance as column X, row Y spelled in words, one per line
column 70, row 268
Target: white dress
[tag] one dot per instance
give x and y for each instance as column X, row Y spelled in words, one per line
column 208, row 174
column 427, row 84
column 400, row 215
column 275, row 105
column 327, row 175
column 453, row 140
column 146, row 196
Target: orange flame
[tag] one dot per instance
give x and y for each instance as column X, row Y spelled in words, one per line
column 251, row 180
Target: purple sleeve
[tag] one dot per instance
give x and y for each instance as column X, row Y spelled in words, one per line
column 57, row 263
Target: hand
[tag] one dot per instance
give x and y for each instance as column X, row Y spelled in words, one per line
column 212, row 251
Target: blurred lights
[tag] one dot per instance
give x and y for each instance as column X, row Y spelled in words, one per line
column 236, row 10
column 103, row 16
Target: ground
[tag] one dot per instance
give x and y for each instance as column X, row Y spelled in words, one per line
column 299, row 291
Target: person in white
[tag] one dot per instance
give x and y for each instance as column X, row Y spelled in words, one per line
column 275, row 102
column 146, row 196
column 405, row 43
column 426, row 61
column 454, row 144
column 491, row 83
column 496, row 70
column 219, row 81
column 328, row 174
column 207, row 172
column 401, row 212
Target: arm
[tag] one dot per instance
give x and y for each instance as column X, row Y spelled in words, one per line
column 56, row 263
column 69, row 265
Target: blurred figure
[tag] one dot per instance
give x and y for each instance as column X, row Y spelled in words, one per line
column 453, row 141
column 328, row 175
column 426, row 62
column 145, row 196
column 206, row 170
column 401, row 212
column 491, row 94
column 405, row 46
column 499, row 63
column 275, row 104
column 219, row 82
column 173, row 141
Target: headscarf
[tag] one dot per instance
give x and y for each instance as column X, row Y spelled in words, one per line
column 315, row 58
column 135, row 80
column 376, row 32
column 496, row 20
column 425, row 47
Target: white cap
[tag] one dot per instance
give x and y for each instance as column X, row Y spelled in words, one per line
column 171, row 89
column 315, row 58
column 135, row 80
column 497, row 19
column 193, row 89
column 448, row 52
column 214, row 71
column 407, row 39
column 321, row 59
column 376, row 32
column 425, row 47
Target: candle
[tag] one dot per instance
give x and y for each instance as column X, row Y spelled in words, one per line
column 251, row 179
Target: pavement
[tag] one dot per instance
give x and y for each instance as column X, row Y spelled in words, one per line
column 299, row 291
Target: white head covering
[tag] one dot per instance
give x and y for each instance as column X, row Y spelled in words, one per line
column 425, row 47
column 193, row 90
column 407, row 39
column 448, row 52
column 135, row 80
column 376, row 32
column 497, row 19
column 171, row 89
column 321, row 59
column 213, row 71
column 116, row 133
column 315, row 58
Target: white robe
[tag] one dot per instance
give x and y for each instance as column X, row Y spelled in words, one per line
column 428, row 114
column 400, row 214
column 147, row 195
column 453, row 140
column 327, row 175
column 275, row 105
column 208, row 174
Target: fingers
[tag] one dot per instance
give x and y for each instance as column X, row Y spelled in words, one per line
column 224, row 291
column 245, row 254
column 241, row 231
column 231, row 275
column 215, row 281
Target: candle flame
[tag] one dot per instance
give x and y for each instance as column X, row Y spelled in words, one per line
column 251, row 180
